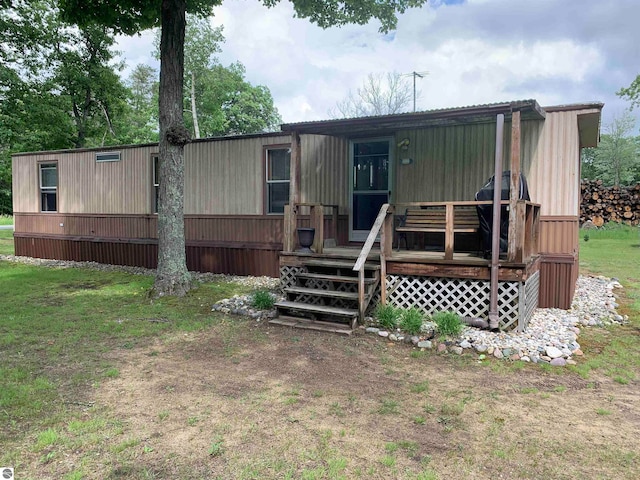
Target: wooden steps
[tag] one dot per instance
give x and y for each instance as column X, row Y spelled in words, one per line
column 320, row 309
column 324, row 295
column 307, row 324
column 334, row 278
column 339, row 264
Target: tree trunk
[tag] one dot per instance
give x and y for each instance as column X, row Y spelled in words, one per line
column 172, row 277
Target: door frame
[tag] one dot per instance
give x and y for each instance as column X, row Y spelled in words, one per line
column 361, row 235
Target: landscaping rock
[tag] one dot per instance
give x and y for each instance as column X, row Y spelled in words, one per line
column 456, row 350
column 425, row 344
column 553, row 352
column 383, row 333
column 558, row 362
column 465, row 344
column 372, row 330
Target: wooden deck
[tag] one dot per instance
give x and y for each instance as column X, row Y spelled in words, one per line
column 424, row 263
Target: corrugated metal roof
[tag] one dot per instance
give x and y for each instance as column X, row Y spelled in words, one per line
column 445, row 116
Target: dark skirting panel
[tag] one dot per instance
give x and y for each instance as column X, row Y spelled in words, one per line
column 558, row 276
column 238, row 259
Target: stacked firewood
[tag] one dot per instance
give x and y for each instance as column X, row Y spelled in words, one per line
column 602, row 204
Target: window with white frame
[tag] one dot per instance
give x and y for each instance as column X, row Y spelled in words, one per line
column 48, row 173
column 155, row 160
column 278, row 161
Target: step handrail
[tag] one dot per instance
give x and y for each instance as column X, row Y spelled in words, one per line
column 371, row 239
column 364, row 254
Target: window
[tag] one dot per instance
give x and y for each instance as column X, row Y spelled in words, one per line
column 108, row 157
column 278, row 160
column 155, row 160
column 48, row 187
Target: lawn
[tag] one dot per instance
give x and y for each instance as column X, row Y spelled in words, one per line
column 6, row 220
column 101, row 382
column 6, row 242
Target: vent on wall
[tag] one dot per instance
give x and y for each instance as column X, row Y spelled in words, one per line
column 108, row 157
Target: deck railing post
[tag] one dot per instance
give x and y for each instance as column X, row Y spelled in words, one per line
column 317, row 222
column 448, row 231
column 289, row 229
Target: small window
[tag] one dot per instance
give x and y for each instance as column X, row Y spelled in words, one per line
column 156, row 182
column 278, row 161
column 49, row 187
column 108, row 157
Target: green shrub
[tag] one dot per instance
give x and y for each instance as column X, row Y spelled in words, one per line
column 448, row 323
column 387, row 316
column 411, row 320
column 263, row 300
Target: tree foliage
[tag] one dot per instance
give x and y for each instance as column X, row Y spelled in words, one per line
column 142, row 103
column 616, row 161
column 379, row 95
column 632, row 92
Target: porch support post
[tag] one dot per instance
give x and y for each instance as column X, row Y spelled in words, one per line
column 294, row 174
column 515, row 225
column 291, row 213
column 494, row 318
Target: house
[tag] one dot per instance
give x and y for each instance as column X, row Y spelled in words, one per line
column 246, row 195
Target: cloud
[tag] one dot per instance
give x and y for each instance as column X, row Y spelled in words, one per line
column 476, row 51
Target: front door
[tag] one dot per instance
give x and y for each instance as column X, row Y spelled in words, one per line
column 370, row 183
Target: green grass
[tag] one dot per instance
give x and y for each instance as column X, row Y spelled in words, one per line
column 55, row 316
column 411, row 321
column 6, row 242
column 613, row 251
column 263, row 300
column 387, row 315
column 448, row 323
column 6, row 220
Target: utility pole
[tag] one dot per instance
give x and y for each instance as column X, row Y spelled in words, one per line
column 414, row 75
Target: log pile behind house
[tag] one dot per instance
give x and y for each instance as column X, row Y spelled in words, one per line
column 602, row 204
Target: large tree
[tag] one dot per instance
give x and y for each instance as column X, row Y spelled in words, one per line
column 133, row 16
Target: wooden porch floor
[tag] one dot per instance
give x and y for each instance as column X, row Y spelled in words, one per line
column 404, row 256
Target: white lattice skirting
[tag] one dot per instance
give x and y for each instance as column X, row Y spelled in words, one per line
column 468, row 298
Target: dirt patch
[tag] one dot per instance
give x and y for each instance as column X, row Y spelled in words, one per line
column 255, row 401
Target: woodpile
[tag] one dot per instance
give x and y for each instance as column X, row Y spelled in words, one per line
column 602, row 204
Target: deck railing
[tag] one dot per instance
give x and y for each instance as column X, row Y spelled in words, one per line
column 523, row 235
column 292, row 212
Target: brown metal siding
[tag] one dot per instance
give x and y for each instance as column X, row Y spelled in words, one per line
column 87, row 186
column 448, row 163
column 325, row 170
column 558, row 275
column 559, row 235
column 26, row 196
column 228, row 260
column 554, row 173
column 86, row 225
column 227, row 177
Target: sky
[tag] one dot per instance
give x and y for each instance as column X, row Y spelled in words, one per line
column 475, row 52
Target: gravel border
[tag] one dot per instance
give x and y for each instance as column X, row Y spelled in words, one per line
column 268, row 283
